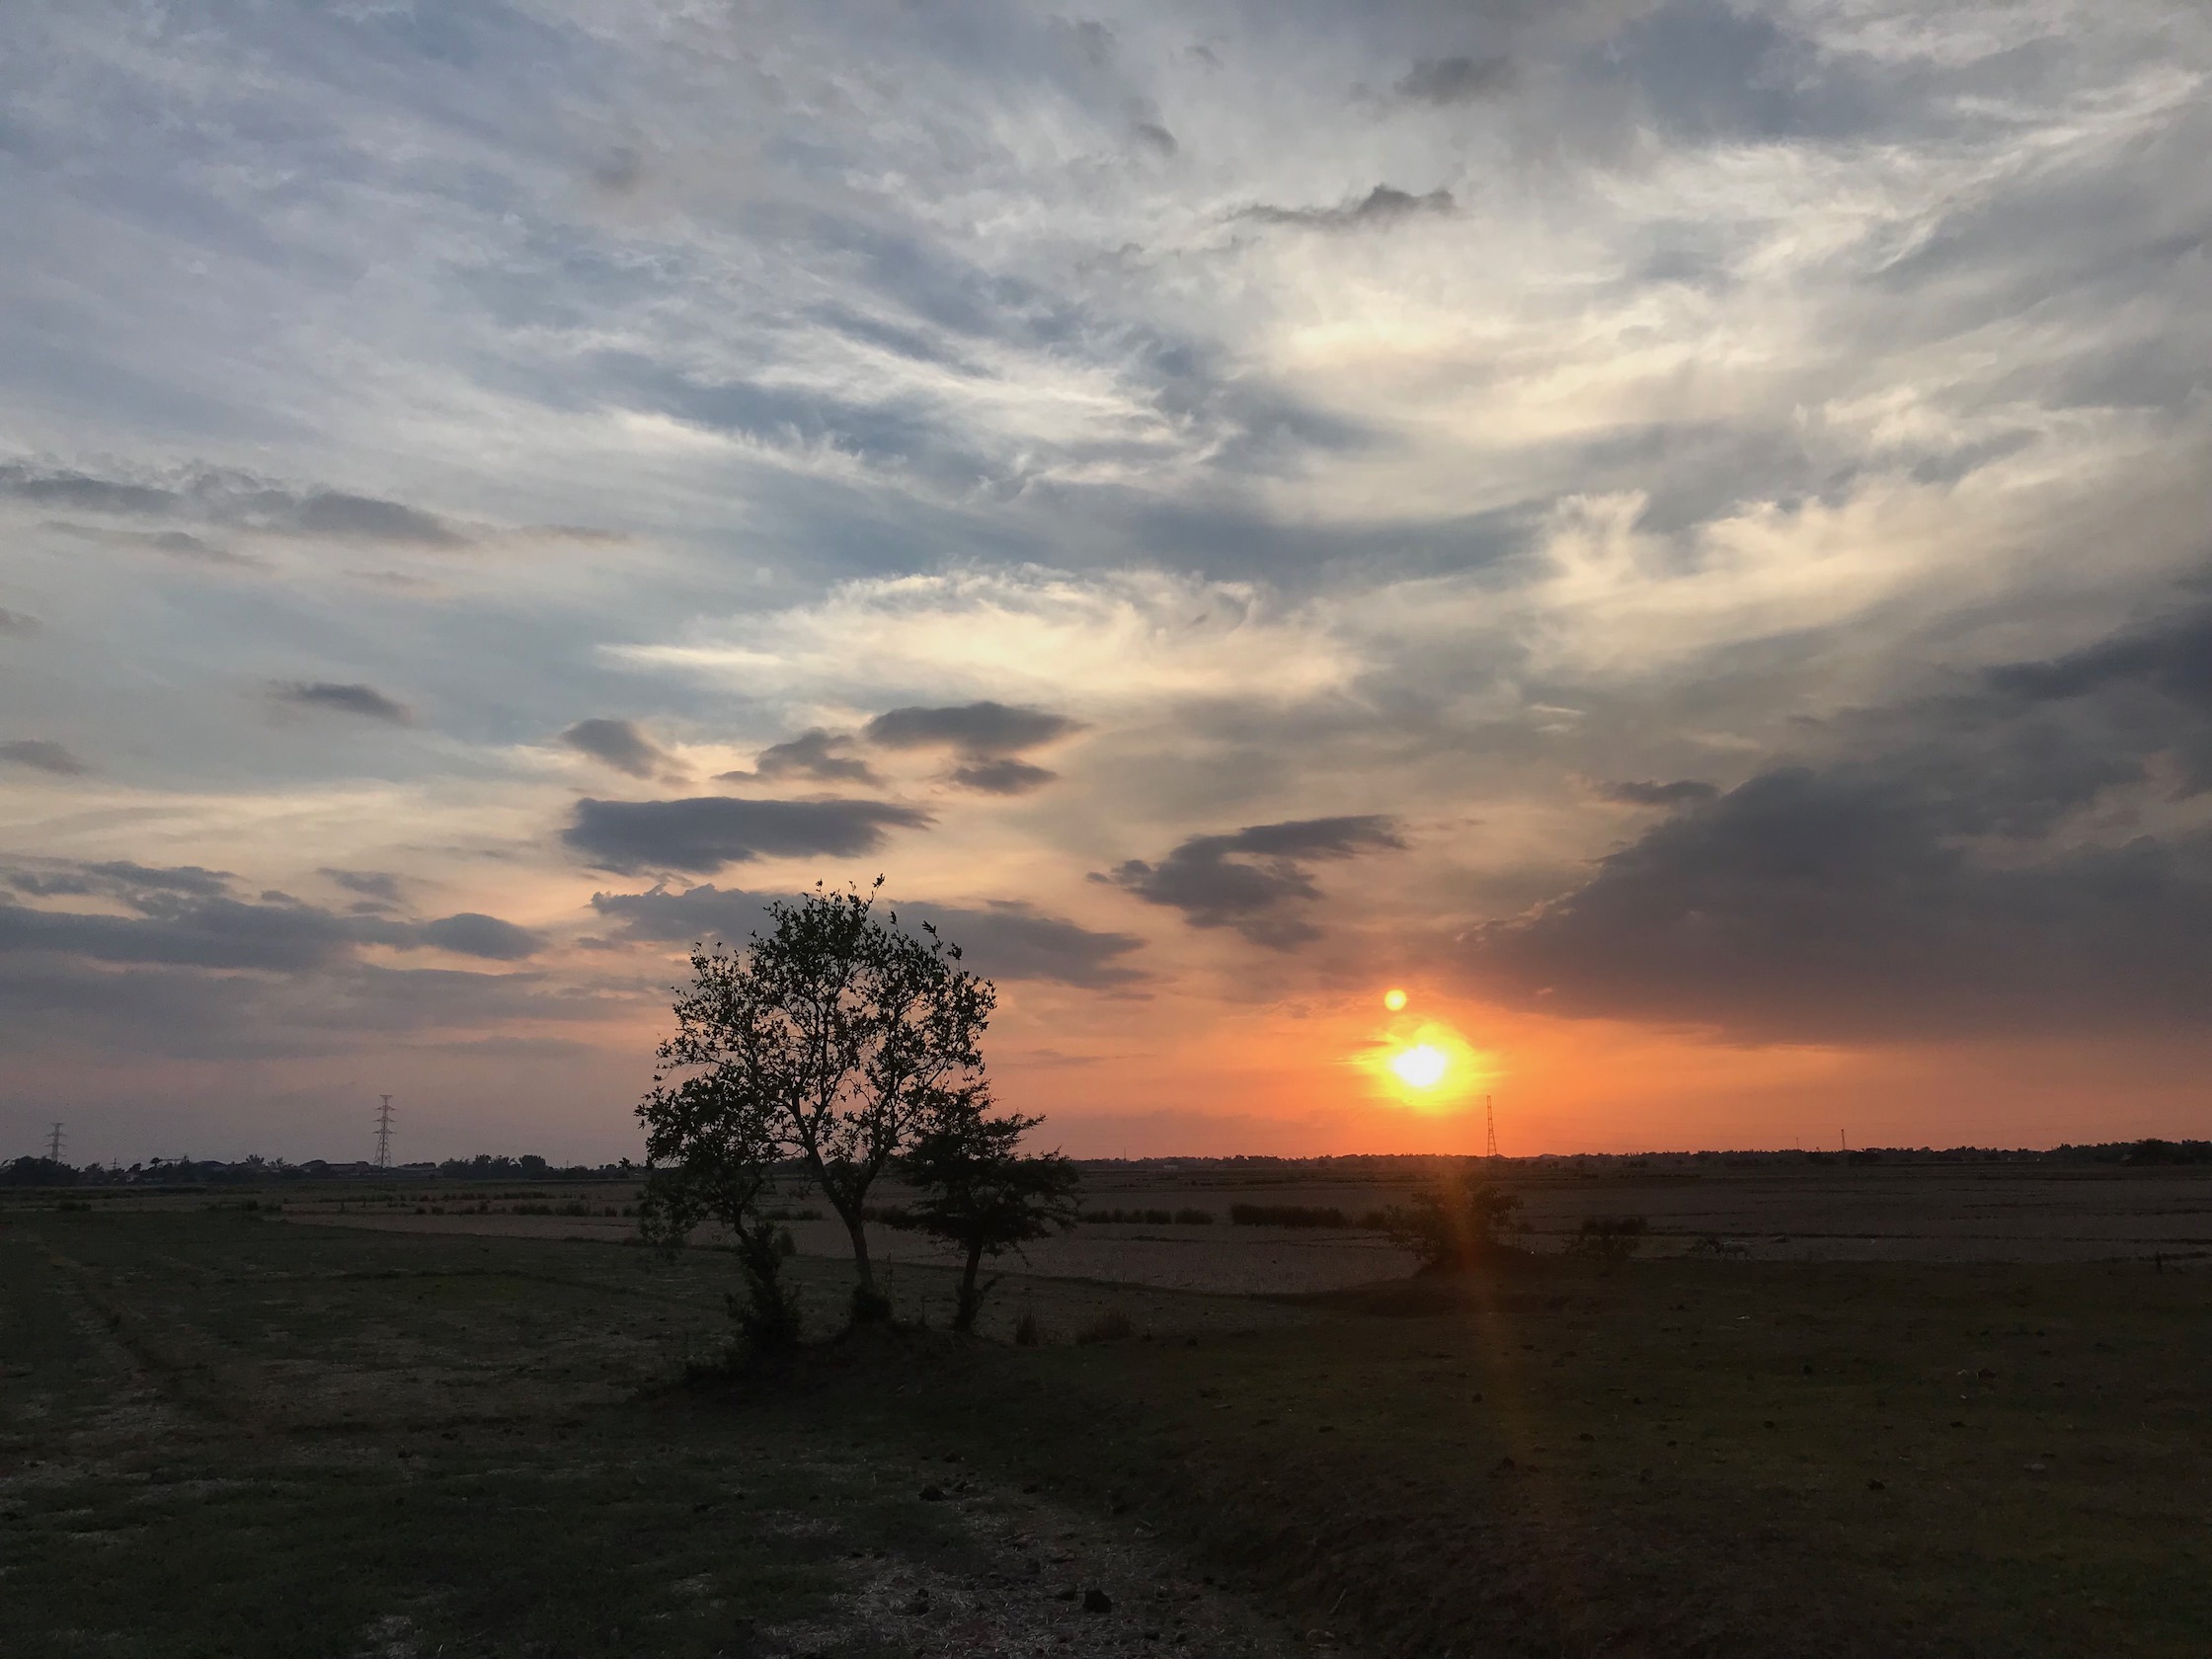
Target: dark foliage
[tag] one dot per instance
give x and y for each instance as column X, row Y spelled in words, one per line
column 839, row 1040
column 1609, row 1237
column 720, row 1147
column 979, row 1194
column 38, row 1172
column 1287, row 1215
column 1454, row 1224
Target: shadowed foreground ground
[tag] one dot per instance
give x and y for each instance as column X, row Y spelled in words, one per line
column 224, row 1435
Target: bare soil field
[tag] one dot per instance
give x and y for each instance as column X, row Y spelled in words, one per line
column 1897, row 1214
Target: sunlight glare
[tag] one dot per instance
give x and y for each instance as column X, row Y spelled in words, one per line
column 1394, row 999
column 1421, row 1066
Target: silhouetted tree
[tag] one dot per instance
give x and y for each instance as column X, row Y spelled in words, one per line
column 38, row 1172
column 843, row 1037
column 720, row 1150
column 1453, row 1224
column 980, row 1193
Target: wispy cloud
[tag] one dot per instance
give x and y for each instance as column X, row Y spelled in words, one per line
column 43, row 754
column 340, row 699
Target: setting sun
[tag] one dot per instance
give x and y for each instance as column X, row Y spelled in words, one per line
column 1421, row 1066
column 1393, row 1000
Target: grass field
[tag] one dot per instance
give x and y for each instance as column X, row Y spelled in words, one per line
column 222, row 1434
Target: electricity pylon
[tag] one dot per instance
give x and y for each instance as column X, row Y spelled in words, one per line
column 1490, row 1129
column 53, row 1144
column 384, row 1132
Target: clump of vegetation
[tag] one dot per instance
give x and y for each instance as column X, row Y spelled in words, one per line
column 1287, row 1215
column 1113, row 1325
column 1456, row 1223
column 1608, row 1238
column 720, row 1147
column 1028, row 1333
column 1150, row 1218
column 839, row 1039
column 981, row 1195
column 844, row 1046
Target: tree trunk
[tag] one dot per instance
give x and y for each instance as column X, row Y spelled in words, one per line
column 868, row 1303
column 965, row 1312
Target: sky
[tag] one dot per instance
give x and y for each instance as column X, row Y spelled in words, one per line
column 1674, row 532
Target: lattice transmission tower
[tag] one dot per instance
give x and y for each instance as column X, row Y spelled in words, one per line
column 53, row 1144
column 1490, row 1130
column 384, row 1132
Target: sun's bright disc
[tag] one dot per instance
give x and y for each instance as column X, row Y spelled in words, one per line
column 1393, row 1000
column 1421, row 1066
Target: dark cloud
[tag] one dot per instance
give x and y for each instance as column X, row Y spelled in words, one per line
column 619, row 744
column 1001, row 940
column 1809, row 906
column 363, row 700
column 1248, row 880
column 333, row 512
column 1679, row 792
column 1154, row 136
column 16, row 622
column 1972, row 863
column 473, row 935
column 83, row 493
column 134, row 884
column 811, row 755
column 705, row 833
column 200, row 932
column 379, row 885
column 1381, row 206
column 43, row 756
column 1003, row 778
column 237, row 499
column 192, row 917
column 178, row 545
column 192, row 1012
column 2173, row 659
column 982, row 730
column 1455, row 80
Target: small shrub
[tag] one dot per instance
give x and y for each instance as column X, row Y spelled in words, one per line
column 1194, row 1217
column 1027, row 1332
column 1455, row 1224
column 1130, row 1218
column 1285, row 1216
column 1608, row 1238
column 1113, row 1325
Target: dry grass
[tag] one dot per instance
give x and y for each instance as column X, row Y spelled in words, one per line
column 224, row 1434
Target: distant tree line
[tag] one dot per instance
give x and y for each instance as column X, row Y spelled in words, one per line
column 258, row 1171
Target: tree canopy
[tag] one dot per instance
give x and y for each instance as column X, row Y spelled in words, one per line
column 836, row 1039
